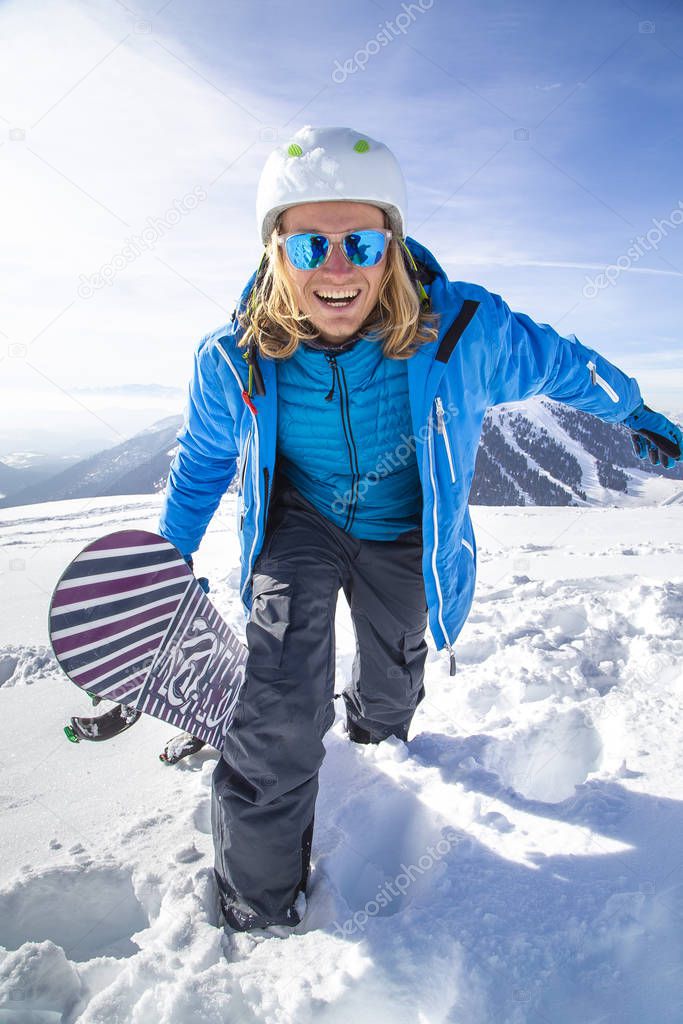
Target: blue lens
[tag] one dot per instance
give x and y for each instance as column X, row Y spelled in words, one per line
column 307, row 251
column 364, row 248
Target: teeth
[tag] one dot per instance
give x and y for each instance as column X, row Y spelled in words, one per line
column 338, row 294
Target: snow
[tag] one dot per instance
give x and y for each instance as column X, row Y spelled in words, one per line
column 518, row 860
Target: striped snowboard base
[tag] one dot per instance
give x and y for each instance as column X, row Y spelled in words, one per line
column 129, row 623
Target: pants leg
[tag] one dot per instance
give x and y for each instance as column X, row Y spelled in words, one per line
column 266, row 783
column 389, row 613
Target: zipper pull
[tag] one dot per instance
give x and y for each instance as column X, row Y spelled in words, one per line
column 247, row 399
column 439, row 416
column 601, row 382
column 333, row 365
column 451, row 653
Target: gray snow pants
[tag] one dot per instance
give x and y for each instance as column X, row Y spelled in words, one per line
column 266, row 783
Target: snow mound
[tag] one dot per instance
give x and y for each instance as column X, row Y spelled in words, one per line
column 25, row 664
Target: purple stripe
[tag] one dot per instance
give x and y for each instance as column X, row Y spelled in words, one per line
column 124, row 539
column 84, row 678
column 99, row 633
column 110, row 588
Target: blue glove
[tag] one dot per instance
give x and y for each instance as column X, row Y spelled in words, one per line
column 655, row 436
column 202, row 581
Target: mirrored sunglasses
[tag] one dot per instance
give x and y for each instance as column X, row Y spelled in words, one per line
column 309, row 250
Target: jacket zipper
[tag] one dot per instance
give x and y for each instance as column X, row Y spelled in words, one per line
column 243, row 471
column 435, row 547
column 257, row 492
column 344, row 405
column 245, row 457
column 441, row 427
column 597, row 379
column 266, row 489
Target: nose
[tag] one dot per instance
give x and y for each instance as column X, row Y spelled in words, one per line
column 337, row 262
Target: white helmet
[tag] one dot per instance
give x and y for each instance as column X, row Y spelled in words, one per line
column 320, row 164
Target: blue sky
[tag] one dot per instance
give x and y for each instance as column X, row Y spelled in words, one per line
column 538, row 141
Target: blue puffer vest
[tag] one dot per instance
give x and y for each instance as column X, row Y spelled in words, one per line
column 361, row 472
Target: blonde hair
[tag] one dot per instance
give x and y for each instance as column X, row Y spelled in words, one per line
column 273, row 322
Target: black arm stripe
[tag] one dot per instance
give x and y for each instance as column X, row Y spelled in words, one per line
column 456, row 330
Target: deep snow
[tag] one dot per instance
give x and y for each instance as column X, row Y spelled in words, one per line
column 518, row 861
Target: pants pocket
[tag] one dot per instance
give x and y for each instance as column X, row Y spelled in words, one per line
column 270, row 617
column 414, row 647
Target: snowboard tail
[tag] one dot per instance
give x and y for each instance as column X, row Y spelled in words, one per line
column 130, row 623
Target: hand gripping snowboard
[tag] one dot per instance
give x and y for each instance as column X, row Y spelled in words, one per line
column 130, row 623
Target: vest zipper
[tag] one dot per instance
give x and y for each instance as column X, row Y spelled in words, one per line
column 339, row 376
column 435, row 548
column 441, row 427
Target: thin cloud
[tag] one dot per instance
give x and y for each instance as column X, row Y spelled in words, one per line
column 514, row 261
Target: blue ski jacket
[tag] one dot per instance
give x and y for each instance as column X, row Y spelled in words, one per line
column 484, row 355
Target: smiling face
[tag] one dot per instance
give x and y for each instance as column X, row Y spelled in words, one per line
column 337, row 277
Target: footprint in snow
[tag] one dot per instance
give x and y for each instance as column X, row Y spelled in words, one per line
column 87, row 911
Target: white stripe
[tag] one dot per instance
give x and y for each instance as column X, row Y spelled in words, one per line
column 59, row 634
column 94, row 602
column 114, row 637
column 76, row 673
column 466, row 544
column 131, row 695
column 257, row 475
column 117, row 552
column 430, row 443
column 121, row 574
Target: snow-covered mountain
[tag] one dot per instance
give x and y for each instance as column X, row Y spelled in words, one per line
column 138, row 465
column 537, row 452
column 19, row 470
column 542, row 452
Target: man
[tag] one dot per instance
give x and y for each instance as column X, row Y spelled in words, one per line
column 355, row 368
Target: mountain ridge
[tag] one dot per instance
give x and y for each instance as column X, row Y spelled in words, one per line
column 537, row 452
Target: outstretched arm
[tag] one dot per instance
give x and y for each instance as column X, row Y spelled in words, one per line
column 205, row 461
column 528, row 359
column 533, row 359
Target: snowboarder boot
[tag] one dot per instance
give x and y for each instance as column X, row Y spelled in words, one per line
column 358, row 733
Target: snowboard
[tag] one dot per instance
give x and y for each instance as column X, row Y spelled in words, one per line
column 130, row 623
